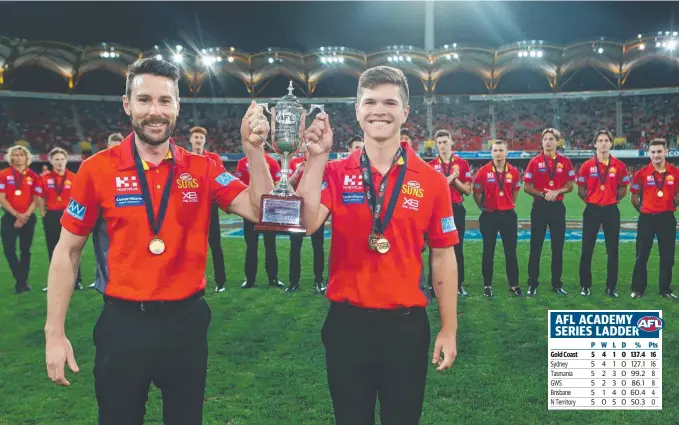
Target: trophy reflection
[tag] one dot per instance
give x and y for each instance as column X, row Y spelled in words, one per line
column 281, row 210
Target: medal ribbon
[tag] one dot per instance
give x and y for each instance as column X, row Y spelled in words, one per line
column 156, row 224
column 598, row 170
column 18, row 178
column 657, row 184
column 551, row 172
column 60, row 187
column 447, row 171
column 375, row 202
column 500, row 178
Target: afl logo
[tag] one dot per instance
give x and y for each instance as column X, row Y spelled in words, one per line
column 650, row 324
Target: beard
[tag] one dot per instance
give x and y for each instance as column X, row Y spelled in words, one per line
column 138, row 127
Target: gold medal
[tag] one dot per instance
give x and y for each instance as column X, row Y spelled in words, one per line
column 372, row 241
column 551, row 183
column 501, row 193
column 382, row 246
column 660, row 194
column 17, row 192
column 602, row 187
column 157, row 246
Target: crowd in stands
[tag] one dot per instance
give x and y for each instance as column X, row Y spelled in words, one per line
column 45, row 123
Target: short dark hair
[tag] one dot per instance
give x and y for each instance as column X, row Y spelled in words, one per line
column 355, row 139
column 658, row 142
column 443, row 133
column 152, row 66
column 600, row 132
column 379, row 75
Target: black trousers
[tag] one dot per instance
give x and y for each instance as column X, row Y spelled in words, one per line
column 460, row 219
column 553, row 215
column 251, row 243
column 165, row 344
column 664, row 226
column 372, row 354
column 52, row 226
column 296, row 255
column 505, row 223
column 594, row 217
column 215, row 241
column 19, row 267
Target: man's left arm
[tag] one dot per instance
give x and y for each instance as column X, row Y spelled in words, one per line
column 442, row 236
column 623, row 181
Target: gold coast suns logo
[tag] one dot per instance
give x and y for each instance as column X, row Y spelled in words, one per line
column 186, row 181
column 412, row 188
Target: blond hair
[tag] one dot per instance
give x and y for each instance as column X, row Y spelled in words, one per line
column 56, row 151
column 10, row 151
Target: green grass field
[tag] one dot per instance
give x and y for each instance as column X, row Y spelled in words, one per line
column 267, row 362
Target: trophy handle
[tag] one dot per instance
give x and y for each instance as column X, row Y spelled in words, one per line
column 316, row 106
column 265, row 106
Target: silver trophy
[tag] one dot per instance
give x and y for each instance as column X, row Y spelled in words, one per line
column 281, row 211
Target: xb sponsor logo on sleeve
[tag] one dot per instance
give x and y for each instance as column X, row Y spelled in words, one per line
column 186, row 181
column 76, row 210
column 412, row 188
column 448, row 224
column 353, row 182
column 189, row 197
column 126, row 184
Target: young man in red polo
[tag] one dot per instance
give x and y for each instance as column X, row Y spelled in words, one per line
column 496, row 188
column 548, row 177
column 252, row 237
column 154, row 323
column 20, row 190
column 56, row 194
column 602, row 182
column 459, row 179
column 655, row 194
column 197, row 139
column 383, row 200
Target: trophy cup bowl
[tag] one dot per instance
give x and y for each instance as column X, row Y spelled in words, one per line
column 281, row 210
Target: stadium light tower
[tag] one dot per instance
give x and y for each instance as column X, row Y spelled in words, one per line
column 429, row 25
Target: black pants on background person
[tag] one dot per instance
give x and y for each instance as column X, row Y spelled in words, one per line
column 215, row 241
column 505, row 223
column 593, row 218
column 270, row 257
column 553, row 215
column 20, row 267
column 296, row 241
column 664, row 226
column 164, row 344
column 460, row 219
column 52, row 226
column 372, row 354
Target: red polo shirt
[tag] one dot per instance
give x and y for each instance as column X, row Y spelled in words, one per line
column 243, row 170
column 30, row 186
column 107, row 185
column 215, row 157
column 538, row 173
column 486, row 183
column 615, row 173
column 644, row 183
column 294, row 165
column 464, row 176
column 364, row 277
column 51, row 183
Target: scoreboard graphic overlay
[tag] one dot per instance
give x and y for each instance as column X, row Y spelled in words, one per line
column 605, row 360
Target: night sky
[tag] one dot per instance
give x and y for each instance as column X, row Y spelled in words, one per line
column 368, row 26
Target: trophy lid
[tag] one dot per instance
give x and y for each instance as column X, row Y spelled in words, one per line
column 289, row 100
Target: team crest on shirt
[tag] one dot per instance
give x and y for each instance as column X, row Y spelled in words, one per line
column 67, row 184
column 29, row 181
column 412, row 188
column 186, row 181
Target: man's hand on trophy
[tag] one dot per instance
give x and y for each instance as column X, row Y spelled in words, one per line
column 254, row 128
column 318, row 136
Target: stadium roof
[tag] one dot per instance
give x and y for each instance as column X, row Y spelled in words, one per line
column 613, row 60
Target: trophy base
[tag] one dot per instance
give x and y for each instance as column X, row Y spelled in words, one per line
column 280, row 214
